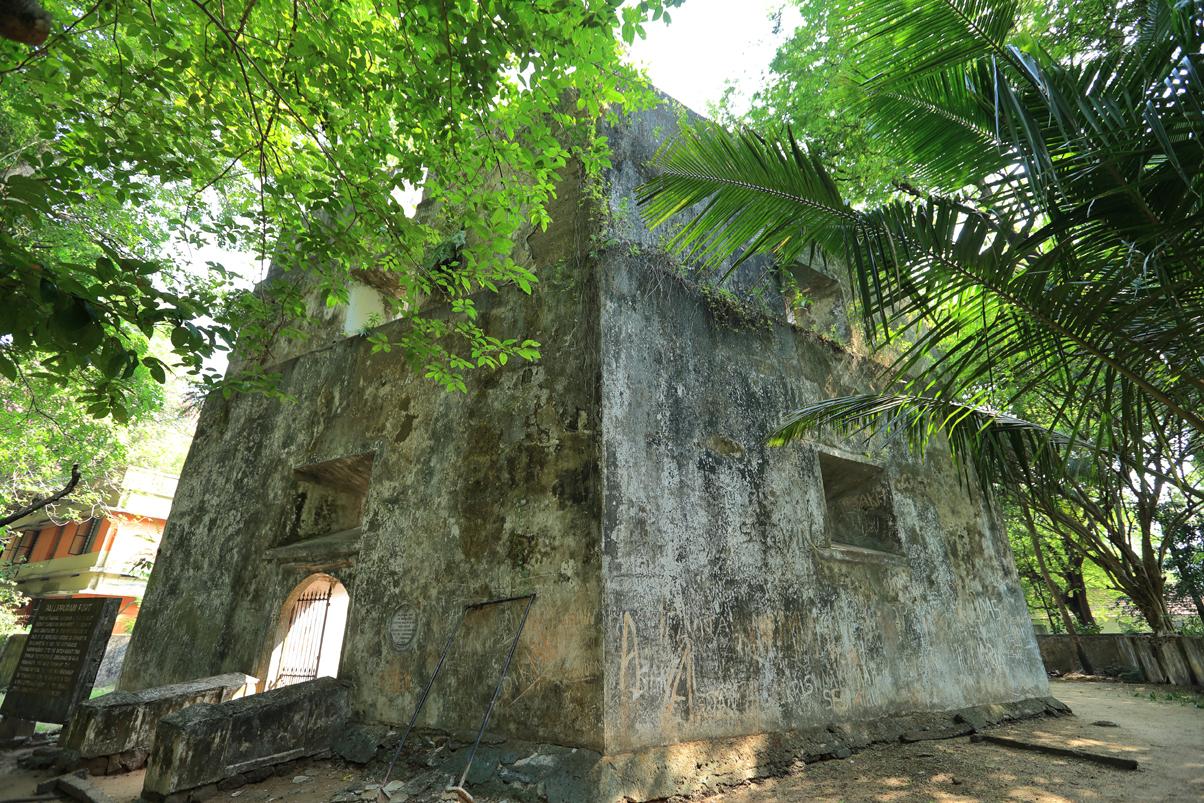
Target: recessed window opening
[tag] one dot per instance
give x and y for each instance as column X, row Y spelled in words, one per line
column 329, row 497
column 25, row 546
column 365, row 309
column 85, row 534
column 858, row 505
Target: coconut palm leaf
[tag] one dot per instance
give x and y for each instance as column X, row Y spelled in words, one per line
column 997, row 446
column 750, row 195
column 943, row 124
column 918, row 37
column 1073, row 263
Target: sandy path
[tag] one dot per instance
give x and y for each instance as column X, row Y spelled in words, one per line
column 1165, row 736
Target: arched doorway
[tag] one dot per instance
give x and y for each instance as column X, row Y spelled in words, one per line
column 309, row 638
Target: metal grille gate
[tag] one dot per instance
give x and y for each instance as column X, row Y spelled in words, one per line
column 301, row 653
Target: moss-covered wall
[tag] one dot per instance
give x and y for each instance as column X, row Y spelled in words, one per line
column 727, row 610
column 472, row 496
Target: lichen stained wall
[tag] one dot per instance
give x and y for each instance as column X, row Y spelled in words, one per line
column 472, row 496
column 726, row 610
column 726, row 613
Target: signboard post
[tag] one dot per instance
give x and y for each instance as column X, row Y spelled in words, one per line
column 66, row 643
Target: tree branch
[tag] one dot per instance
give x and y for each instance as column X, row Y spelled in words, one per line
column 38, row 504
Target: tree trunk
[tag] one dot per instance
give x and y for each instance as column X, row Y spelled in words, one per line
column 1152, row 604
column 1055, row 592
column 1076, row 586
column 1047, row 606
column 1040, row 590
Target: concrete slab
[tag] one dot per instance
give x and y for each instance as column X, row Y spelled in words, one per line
column 1154, row 659
column 1170, row 658
column 208, row 743
column 123, row 723
column 1193, row 653
column 516, row 770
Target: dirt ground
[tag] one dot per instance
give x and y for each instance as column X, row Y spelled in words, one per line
column 1166, row 736
column 1163, row 729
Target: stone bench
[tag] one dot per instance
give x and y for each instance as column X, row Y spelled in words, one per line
column 113, row 732
column 241, row 740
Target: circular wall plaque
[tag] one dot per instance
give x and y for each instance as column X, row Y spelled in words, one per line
column 403, row 627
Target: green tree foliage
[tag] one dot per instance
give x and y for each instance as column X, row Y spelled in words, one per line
column 1059, row 240
column 75, row 308
column 1078, row 583
column 1109, row 511
column 1057, row 249
column 46, row 426
column 1039, row 271
column 815, row 81
column 1185, row 540
column 288, row 130
column 10, row 601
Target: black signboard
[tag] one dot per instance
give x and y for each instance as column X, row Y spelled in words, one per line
column 67, row 640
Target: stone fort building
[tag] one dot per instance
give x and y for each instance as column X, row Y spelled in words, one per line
column 692, row 583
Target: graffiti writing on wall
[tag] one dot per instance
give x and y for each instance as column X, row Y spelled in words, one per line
column 629, row 663
column 680, row 685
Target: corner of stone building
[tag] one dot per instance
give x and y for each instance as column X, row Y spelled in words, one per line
column 688, row 592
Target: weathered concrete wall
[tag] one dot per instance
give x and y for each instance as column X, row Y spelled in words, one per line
column 10, row 655
column 122, row 721
column 726, row 610
column 109, row 673
column 206, row 743
column 726, row 613
column 472, row 496
column 1154, row 659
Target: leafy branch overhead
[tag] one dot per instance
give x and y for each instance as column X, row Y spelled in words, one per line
column 38, row 504
column 1047, row 244
column 132, row 149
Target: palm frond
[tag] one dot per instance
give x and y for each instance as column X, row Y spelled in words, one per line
column 901, row 40
column 997, row 446
column 940, row 127
column 1079, row 267
column 744, row 194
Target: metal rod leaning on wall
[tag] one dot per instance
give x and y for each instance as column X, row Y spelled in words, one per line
column 497, row 691
column 439, row 667
column 422, row 699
